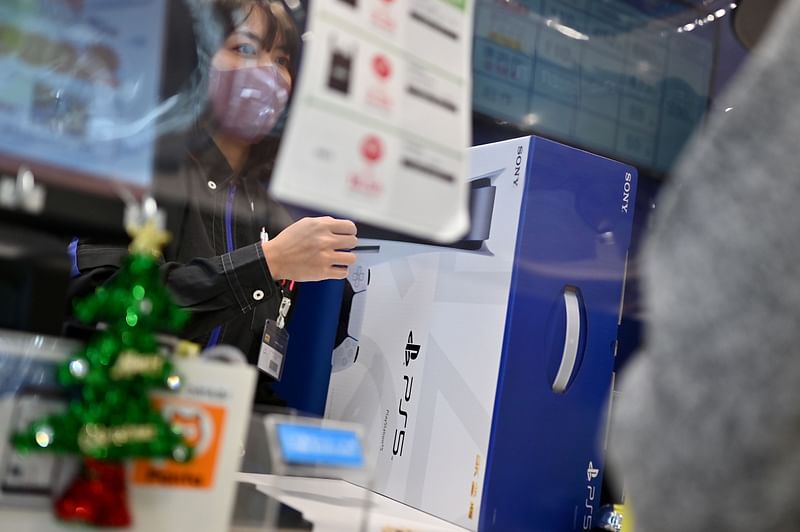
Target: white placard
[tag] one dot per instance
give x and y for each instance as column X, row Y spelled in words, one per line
column 381, row 117
column 212, row 408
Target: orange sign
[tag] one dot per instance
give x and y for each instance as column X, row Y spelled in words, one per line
column 202, row 425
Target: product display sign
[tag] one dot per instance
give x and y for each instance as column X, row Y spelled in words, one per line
column 381, row 116
column 481, row 371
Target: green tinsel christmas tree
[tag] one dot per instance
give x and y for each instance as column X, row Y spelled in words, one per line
column 111, row 417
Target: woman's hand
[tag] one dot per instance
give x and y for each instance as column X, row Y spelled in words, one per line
column 312, row 249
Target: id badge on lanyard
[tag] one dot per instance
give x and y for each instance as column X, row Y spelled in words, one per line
column 275, row 339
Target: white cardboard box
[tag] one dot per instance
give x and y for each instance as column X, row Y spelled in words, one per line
column 481, row 372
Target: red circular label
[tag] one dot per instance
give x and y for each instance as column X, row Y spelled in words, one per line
column 372, row 148
column 381, row 66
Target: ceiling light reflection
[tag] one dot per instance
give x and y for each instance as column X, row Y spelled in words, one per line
column 566, row 30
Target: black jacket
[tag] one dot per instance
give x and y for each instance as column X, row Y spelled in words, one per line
column 214, row 265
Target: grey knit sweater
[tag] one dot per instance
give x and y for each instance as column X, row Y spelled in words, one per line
column 707, row 428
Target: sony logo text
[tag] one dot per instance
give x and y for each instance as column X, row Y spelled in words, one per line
column 626, row 192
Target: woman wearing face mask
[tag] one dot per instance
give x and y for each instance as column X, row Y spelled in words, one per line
column 216, row 265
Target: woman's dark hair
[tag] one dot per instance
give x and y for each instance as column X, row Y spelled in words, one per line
column 188, row 61
column 233, row 13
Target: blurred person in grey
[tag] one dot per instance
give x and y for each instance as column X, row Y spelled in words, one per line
column 707, row 427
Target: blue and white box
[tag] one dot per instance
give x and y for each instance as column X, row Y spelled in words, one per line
column 482, row 372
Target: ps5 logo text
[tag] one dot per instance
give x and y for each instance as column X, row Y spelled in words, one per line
column 411, row 353
column 588, row 504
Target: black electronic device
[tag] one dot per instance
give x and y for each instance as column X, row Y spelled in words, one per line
column 340, row 70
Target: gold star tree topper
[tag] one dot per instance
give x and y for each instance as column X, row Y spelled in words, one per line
column 148, row 238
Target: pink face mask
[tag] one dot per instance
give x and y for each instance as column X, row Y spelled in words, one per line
column 247, row 102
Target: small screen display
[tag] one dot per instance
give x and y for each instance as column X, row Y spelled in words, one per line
column 319, row 446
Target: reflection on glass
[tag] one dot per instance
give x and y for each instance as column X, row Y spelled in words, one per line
column 80, row 77
column 599, row 74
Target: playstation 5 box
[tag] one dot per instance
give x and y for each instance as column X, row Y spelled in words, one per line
column 482, row 370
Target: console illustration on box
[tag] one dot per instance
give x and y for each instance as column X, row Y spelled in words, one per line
column 481, row 371
column 345, row 353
